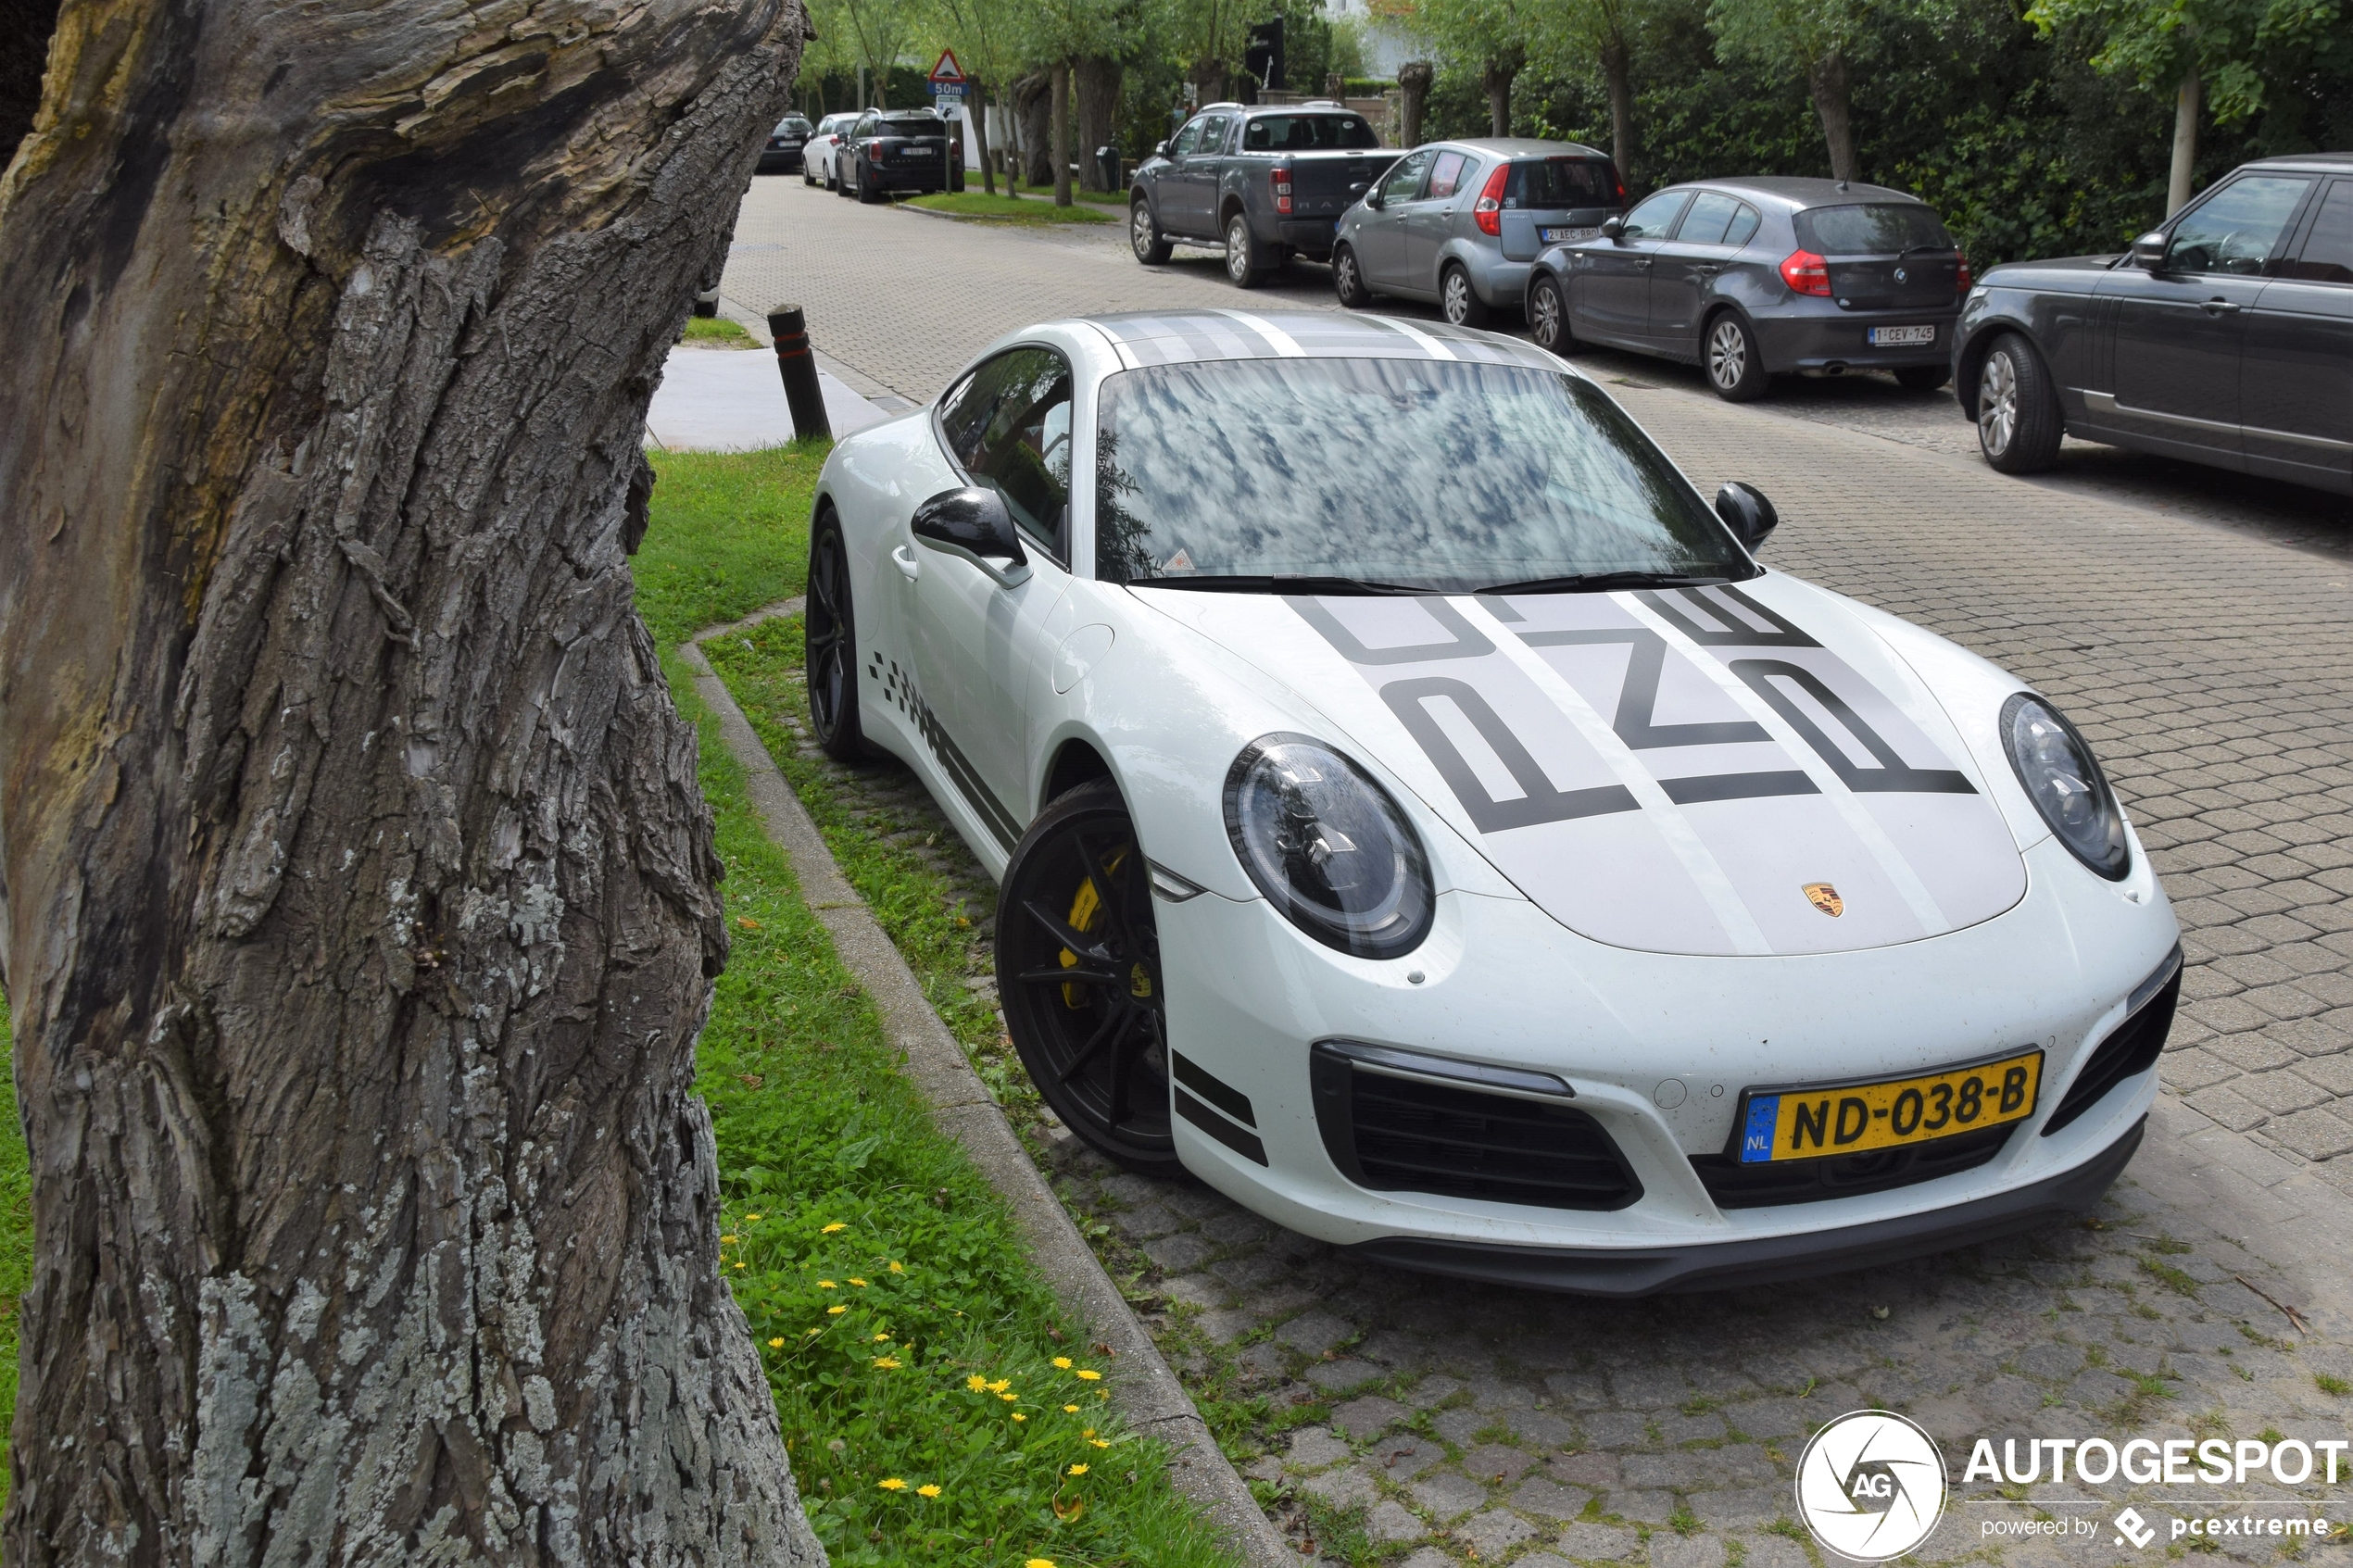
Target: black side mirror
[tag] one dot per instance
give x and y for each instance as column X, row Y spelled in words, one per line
column 1747, row 513
column 973, row 524
column 2148, row 251
column 1614, row 229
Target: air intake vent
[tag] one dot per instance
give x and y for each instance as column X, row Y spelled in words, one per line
column 1415, row 1133
column 2130, row 1048
column 1735, row 1186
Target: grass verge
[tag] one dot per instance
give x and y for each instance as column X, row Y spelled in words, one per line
column 717, row 332
column 937, row 1405
column 1010, row 209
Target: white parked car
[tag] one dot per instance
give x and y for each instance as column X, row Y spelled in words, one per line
column 1419, row 816
column 817, row 153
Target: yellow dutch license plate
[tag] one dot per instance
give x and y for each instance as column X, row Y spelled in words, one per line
column 1777, row 1125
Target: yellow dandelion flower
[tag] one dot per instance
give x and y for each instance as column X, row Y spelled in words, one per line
column 828, row 1284
column 1100, row 1442
column 751, row 1216
column 1039, row 1563
column 1070, row 1409
column 1062, row 1362
column 829, row 1230
column 816, row 1331
column 1086, row 1432
column 740, row 1265
column 927, row 1490
column 1078, row 1470
column 1018, row 1416
column 886, row 1362
column 836, row 1311
column 724, row 1240
column 1000, row 1386
column 859, row 1283
column 778, row 1344
column 897, row 1270
column 1009, row 1397
column 891, row 1484
column 882, row 1338
column 976, row 1383
column 1089, row 1374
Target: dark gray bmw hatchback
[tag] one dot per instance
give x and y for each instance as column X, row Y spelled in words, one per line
column 1750, row 279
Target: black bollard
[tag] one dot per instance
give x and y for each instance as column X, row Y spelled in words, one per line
column 789, row 327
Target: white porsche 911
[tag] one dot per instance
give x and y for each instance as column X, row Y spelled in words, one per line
column 1418, row 815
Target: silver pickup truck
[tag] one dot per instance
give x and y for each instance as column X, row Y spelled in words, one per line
column 1263, row 183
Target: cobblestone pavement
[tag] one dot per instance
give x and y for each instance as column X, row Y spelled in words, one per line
column 1439, row 1423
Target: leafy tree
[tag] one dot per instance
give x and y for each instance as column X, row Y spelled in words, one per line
column 884, row 30
column 1816, row 40
column 1494, row 38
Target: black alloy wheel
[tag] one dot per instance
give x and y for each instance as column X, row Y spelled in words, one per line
column 1348, row 279
column 830, row 635
column 1548, row 317
column 1735, row 369
column 1458, row 302
column 1923, row 378
column 1079, row 975
column 1152, row 246
column 2019, row 423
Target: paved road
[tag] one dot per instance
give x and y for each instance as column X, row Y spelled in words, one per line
column 2199, row 631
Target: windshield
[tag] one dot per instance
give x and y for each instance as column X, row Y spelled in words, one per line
column 1440, row 476
column 1873, row 229
column 1307, row 133
column 1562, row 182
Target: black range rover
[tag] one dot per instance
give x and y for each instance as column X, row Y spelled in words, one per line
column 2224, row 336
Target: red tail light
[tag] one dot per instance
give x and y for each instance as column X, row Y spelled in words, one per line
column 1281, row 180
column 1488, row 213
column 1962, row 282
column 874, row 151
column 1807, row 273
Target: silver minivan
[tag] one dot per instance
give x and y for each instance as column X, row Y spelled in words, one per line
column 1462, row 222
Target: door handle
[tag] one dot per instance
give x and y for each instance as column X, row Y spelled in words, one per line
column 1705, row 271
column 2220, row 308
column 904, row 559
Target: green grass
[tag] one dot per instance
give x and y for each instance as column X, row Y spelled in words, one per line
column 718, row 331
column 881, row 1274
column 16, row 1242
column 1010, row 209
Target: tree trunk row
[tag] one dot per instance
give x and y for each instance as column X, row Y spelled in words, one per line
column 1828, row 84
column 1413, row 97
column 1059, row 74
column 1617, row 76
column 1096, row 79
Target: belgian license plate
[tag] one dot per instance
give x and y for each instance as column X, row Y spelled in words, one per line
column 1780, row 1124
column 1896, row 337
column 1564, row 236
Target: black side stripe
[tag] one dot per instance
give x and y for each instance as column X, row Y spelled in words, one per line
column 1216, row 1126
column 1222, row 1095
column 967, row 778
column 1736, row 786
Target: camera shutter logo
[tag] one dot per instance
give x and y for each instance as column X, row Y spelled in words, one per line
column 1870, row 1486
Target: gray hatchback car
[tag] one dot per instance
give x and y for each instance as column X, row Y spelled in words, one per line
column 1462, row 222
column 1753, row 278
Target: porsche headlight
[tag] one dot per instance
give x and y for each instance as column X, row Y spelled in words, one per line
column 2065, row 782
column 1328, row 847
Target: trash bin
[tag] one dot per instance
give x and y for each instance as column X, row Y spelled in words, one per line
column 1107, row 171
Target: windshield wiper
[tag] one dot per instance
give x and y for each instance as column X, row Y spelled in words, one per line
column 1605, row 581
column 1277, row 582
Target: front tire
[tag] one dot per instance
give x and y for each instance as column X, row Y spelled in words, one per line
column 1244, row 267
column 1152, row 248
column 830, row 636
column 1548, row 317
column 2019, row 423
column 1348, row 279
column 1078, row 974
column 1458, row 302
column 1735, row 369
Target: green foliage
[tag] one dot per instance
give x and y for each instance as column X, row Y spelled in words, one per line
column 718, row 331
column 2242, row 49
column 1011, row 209
column 15, row 1243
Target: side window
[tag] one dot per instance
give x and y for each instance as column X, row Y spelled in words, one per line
column 2327, row 253
column 1187, row 139
column 1742, row 227
column 1405, row 181
column 1655, row 215
column 1008, row 424
column 1212, row 134
column 1446, row 174
column 2233, row 230
column 1711, row 214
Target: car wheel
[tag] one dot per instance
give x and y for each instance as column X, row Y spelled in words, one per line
column 1548, row 317
column 1243, row 266
column 1458, row 302
column 2018, row 423
column 840, row 187
column 1144, row 236
column 830, row 634
column 867, row 194
column 1923, row 378
column 1734, row 367
column 1348, row 279
column 1079, row 976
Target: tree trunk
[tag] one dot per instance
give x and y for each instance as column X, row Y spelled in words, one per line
column 1617, row 75
column 355, row 891
column 1209, row 80
column 978, row 114
column 1098, row 81
column 1413, row 95
column 1495, row 78
column 1033, row 105
column 1828, row 80
column 2184, row 170
column 1061, row 152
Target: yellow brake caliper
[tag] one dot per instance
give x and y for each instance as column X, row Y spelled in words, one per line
column 1083, row 911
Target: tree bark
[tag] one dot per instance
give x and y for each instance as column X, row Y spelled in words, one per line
column 1617, row 76
column 1413, row 93
column 1060, row 153
column 1098, row 79
column 1033, row 106
column 1496, row 76
column 1828, row 80
column 979, row 116
column 1209, row 82
column 356, row 890
column 2179, row 179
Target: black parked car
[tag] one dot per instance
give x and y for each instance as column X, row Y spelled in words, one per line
column 914, row 150
column 2224, row 336
column 1265, row 184
column 1754, row 278
column 785, row 143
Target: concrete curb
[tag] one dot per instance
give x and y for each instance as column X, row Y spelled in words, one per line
column 1147, row 1393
